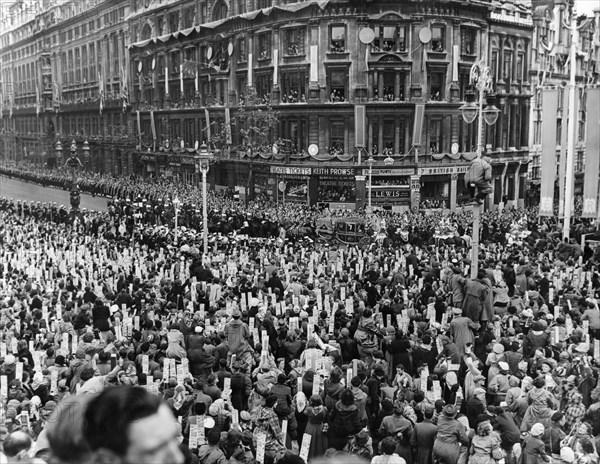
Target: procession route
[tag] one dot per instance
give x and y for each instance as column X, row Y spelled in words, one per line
column 24, row 191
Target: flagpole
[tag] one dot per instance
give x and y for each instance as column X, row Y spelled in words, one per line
column 569, row 173
column 570, row 133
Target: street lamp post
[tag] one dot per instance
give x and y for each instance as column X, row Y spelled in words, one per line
column 73, row 163
column 481, row 78
column 176, row 205
column 204, row 158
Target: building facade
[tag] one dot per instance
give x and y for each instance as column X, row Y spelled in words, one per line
column 550, row 68
column 346, row 79
column 62, row 77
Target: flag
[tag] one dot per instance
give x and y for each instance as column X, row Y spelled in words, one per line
column 38, row 103
column 101, row 91
column 592, row 166
column 11, row 100
column 124, row 90
column 548, row 158
column 181, row 80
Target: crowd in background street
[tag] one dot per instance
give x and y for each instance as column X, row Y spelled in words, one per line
column 121, row 345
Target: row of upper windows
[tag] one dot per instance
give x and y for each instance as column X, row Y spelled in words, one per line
column 387, row 39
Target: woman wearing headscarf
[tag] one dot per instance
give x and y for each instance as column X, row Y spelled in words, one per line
column 533, row 448
column 450, row 435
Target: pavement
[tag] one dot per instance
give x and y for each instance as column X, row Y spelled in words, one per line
column 19, row 190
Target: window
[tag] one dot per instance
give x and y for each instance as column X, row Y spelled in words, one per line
column 508, row 64
column 464, row 81
column 389, row 132
column 338, row 85
column 116, row 70
column 264, row 86
column 84, row 59
column 388, row 86
column 71, row 73
column 402, row 41
column 435, row 136
column 260, row 4
column 293, row 86
column 92, row 61
column 468, row 40
column 188, row 132
column 220, row 11
column 264, row 46
column 294, row 41
column 337, row 42
column 295, row 130
column 520, row 67
column 188, row 18
column 467, row 137
column 241, row 6
column 494, row 65
column 174, row 22
column 242, row 51
column 436, row 85
column 336, row 138
column 389, row 39
column 242, row 83
column 437, row 38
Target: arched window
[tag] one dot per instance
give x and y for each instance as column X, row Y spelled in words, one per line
column 146, row 32
column 220, row 11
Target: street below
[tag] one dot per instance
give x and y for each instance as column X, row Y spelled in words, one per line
column 24, row 191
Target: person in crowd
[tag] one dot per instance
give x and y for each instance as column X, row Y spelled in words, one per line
column 271, row 335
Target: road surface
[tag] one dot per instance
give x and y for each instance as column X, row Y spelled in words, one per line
column 11, row 188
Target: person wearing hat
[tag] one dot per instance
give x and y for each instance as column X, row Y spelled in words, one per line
column 476, row 294
column 554, row 435
column 567, row 456
column 450, row 435
column 500, row 384
column 399, row 427
column 536, row 338
column 423, row 437
column 493, row 359
column 475, row 406
column 533, row 448
column 461, row 330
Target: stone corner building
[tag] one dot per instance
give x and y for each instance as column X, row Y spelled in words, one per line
column 144, row 80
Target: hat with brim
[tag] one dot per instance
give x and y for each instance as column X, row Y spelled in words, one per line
column 449, row 411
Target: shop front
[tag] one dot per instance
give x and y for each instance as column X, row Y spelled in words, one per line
column 442, row 187
column 390, row 188
column 293, row 184
column 336, row 187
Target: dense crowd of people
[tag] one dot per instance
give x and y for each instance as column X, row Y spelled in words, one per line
column 120, row 344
